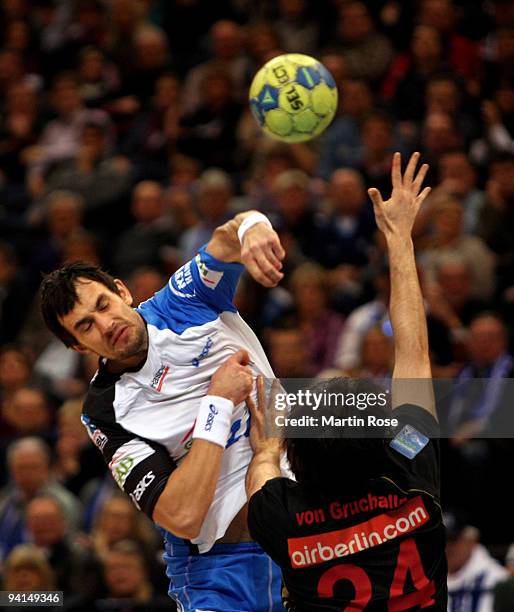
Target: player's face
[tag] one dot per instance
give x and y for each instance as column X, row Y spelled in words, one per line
column 104, row 323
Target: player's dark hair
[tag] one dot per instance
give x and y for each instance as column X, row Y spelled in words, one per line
column 339, row 457
column 58, row 294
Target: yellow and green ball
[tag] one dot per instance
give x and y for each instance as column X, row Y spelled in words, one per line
column 293, row 97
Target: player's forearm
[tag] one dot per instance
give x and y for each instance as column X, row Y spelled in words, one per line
column 263, row 467
column 224, row 244
column 407, row 310
column 184, row 503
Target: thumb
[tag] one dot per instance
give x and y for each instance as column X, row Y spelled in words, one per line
column 376, row 196
column 241, row 356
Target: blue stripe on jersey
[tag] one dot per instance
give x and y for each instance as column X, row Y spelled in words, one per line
column 197, row 293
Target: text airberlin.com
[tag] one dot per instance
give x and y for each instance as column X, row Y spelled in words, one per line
column 313, row 400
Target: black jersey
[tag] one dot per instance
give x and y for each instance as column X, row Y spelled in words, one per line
column 379, row 546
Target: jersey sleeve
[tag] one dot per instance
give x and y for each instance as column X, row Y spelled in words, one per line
column 140, row 467
column 197, row 293
column 414, row 449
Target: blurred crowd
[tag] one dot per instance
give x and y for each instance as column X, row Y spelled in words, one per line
column 125, row 139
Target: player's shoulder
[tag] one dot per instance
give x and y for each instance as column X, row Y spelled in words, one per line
column 274, row 494
column 417, row 417
column 99, row 400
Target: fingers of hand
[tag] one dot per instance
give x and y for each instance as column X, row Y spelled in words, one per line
column 241, row 356
column 376, row 196
column 261, row 397
column 277, row 248
column 409, row 172
column 267, row 273
column 423, row 195
column 396, row 171
column 420, row 177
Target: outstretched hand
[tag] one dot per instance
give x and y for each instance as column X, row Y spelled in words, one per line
column 396, row 215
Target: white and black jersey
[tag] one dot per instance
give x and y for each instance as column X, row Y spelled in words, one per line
column 142, row 420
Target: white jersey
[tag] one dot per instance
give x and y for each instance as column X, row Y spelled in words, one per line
column 142, row 419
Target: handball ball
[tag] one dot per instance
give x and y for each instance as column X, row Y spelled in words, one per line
column 293, row 97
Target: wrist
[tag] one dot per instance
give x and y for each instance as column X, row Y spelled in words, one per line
column 214, row 420
column 249, row 221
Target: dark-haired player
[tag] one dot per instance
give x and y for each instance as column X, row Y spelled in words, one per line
column 166, row 407
column 361, row 529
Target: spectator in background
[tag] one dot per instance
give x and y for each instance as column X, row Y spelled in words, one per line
column 119, row 520
column 101, row 180
column 76, row 460
column 60, row 139
column 227, row 53
column 448, row 238
column 472, row 571
column 143, row 283
column 27, row 412
column 209, row 133
column 287, row 350
column 297, row 26
column 47, row 530
column 497, row 217
column 15, row 369
column 449, row 299
column 504, row 590
column 99, row 78
column 377, row 149
column 128, row 582
column 348, row 232
column 141, row 245
column 15, row 295
column 457, row 175
column 376, row 356
column 153, row 134
column 28, row 462
column 151, row 59
column 215, row 190
column 26, row 569
column 405, row 83
column 320, row 326
column 462, row 52
column 481, row 409
column 340, row 144
column 59, row 216
column 439, row 135
column 367, row 54
column 19, row 130
column 295, row 212
column 361, row 320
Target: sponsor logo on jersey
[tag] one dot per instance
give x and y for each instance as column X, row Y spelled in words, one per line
column 409, row 442
column 97, row 436
column 158, row 379
column 141, row 487
column 210, row 278
column 127, row 457
column 205, row 351
column 182, row 280
column 313, row 550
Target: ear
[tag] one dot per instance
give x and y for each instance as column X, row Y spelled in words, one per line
column 124, row 292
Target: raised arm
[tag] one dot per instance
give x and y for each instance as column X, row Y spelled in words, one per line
column 395, row 218
column 250, row 239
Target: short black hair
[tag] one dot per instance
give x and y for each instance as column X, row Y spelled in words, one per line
column 335, row 460
column 58, row 294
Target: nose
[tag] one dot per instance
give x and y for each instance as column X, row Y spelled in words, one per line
column 105, row 323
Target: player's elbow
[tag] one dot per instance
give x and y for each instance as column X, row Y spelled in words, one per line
column 181, row 524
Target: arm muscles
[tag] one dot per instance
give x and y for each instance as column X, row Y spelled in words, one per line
column 184, row 502
column 408, row 320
